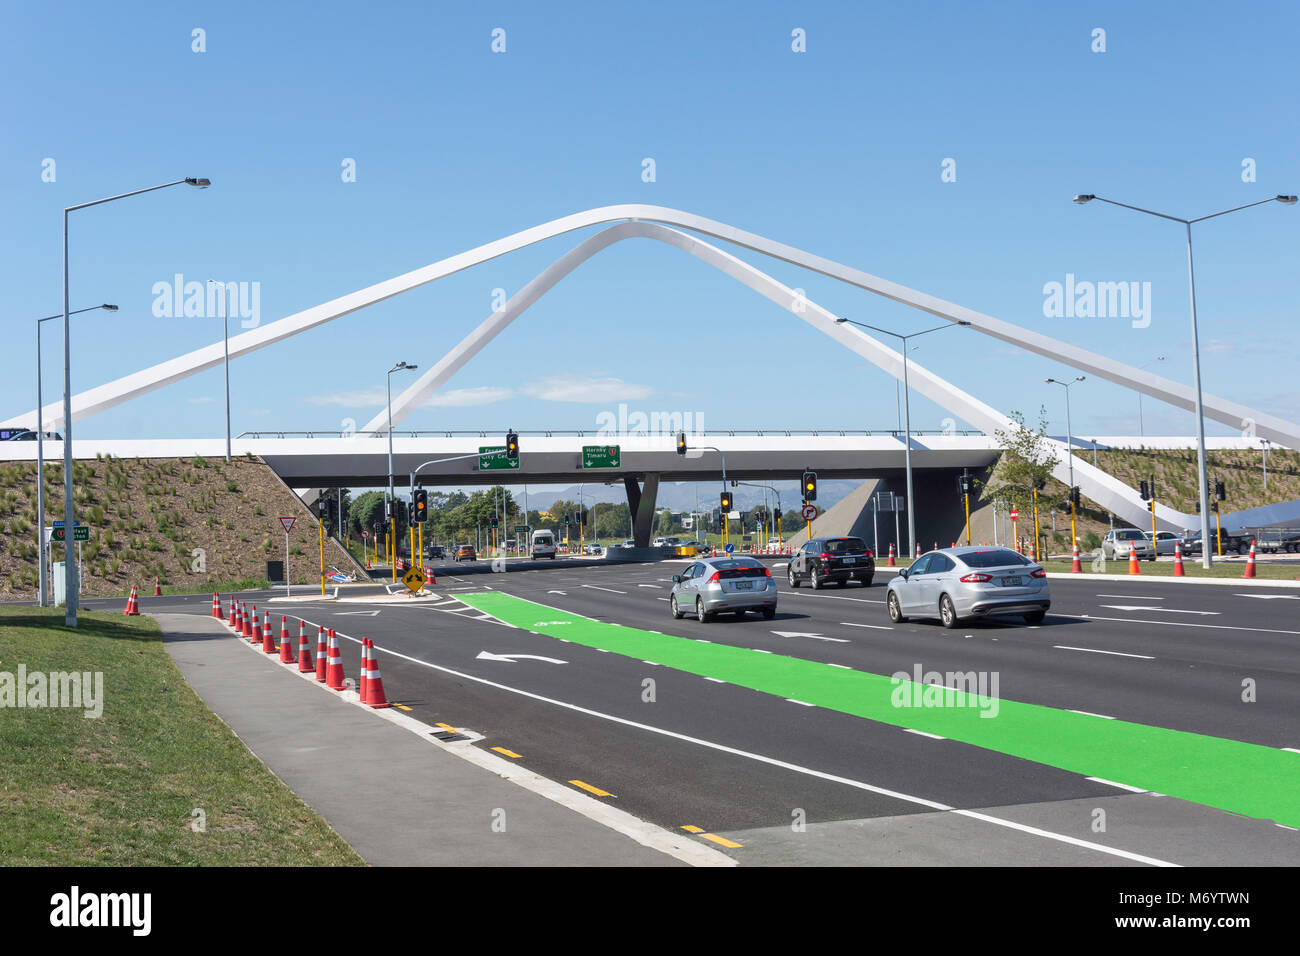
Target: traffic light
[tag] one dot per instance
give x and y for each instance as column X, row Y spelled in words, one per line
column 582, row 516
column 776, row 515
column 681, row 444
column 963, row 481
column 496, row 522
column 810, row 486
column 420, row 504
column 1075, row 497
column 1220, row 490
column 512, row 445
column 1143, row 490
column 726, row 502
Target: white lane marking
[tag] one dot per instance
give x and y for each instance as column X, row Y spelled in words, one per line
column 715, row 680
column 562, row 593
column 1167, row 610
column 1291, row 750
column 922, row 733
column 796, row 768
column 1134, row 597
column 801, row 703
column 609, row 590
column 651, row 663
column 874, row 627
column 760, row 650
column 830, row 597
column 844, row 667
column 445, row 603
column 1093, row 650
column 663, row 599
column 1140, row 620
column 815, row 637
column 1112, row 783
column 1271, row 597
column 655, row 586
column 1088, row 713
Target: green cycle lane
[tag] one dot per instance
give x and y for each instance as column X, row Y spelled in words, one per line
column 1232, row 775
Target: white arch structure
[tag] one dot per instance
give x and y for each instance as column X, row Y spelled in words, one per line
column 639, row 220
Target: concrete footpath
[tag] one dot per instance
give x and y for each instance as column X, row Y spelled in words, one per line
column 398, row 798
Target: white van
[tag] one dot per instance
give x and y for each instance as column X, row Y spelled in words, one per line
column 543, row 544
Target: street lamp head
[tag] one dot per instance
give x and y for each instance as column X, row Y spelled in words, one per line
column 1052, row 380
column 1080, row 378
column 1289, row 200
column 962, row 322
column 1084, row 197
column 845, row 320
column 201, row 183
column 108, row 308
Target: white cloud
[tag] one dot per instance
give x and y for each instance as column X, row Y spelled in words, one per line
column 363, row 398
column 1218, row 347
column 567, row 388
column 463, row 397
column 199, row 400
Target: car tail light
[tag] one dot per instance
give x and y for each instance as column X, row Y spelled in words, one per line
column 976, row 577
column 767, row 572
column 824, row 556
column 1038, row 573
column 870, row 553
column 715, row 577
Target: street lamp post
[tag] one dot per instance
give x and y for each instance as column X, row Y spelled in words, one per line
column 43, row 599
column 392, row 516
column 1141, row 427
column 907, row 420
column 1069, row 447
column 225, row 339
column 1201, row 470
column 70, row 591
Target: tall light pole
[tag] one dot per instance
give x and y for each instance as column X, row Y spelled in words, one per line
column 43, row 594
column 1263, row 447
column 225, row 339
column 1201, row 470
column 1069, row 447
column 1141, row 427
column 69, row 580
column 392, row 514
column 907, row 418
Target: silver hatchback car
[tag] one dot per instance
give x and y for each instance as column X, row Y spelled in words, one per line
column 953, row 583
column 713, row 585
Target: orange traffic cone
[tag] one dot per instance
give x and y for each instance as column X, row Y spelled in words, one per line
column 373, row 683
column 1250, row 561
column 216, row 605
column 365, row 669
column 231, row 621
column 1075, row 566
column 1133, row 560
column 268, row 636
column 1033, row 551
column 132, row 604
column 322, row 654
column 286, row 648
column 918, row 549
column 305, row 666
column 334, row 666
column 1178, row 559
column 157, row 587
column 251, row 630
column 891, row 555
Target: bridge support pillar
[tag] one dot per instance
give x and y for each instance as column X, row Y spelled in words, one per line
column 641, row 502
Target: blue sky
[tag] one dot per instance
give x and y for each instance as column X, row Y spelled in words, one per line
column 837, row 150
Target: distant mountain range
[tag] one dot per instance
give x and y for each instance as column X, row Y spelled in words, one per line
column 683, row 496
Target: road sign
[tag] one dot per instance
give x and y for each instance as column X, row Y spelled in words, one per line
column 414, row 580
column 1015, row 515
column 809, row 512
column 288, row 524
column 601, row 456
column 61, row 524
column 522, row 529
column 730, row 548
column 733, row 515
column 80, row 532
column 493, row 458
column 365, row 534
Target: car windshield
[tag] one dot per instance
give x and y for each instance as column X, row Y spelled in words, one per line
column 845, row 546
column 993, row 558
column 1131, row 534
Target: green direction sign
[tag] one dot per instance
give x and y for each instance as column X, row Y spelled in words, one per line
column 79, row 533
column 494, row 458
column 601, row 456
column 521, row 529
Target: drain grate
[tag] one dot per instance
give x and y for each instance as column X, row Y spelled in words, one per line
column 446, row 736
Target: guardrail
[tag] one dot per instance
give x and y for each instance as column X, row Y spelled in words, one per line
column 579, row 433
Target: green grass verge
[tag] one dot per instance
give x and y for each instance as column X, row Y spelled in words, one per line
column 1233, row 775
column 119, row 790
column 1191, row 568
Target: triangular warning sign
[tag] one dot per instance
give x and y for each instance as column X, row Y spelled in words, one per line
column 288, row 524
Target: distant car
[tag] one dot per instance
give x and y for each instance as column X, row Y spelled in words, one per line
column 543, row 545
column 436, row 552
column 1164, row 541
column 1233, row 542
column 716, row 585
column 954, row 583
column 27, row 434
column 592, row 549
column 630, row 543
column 465, row 552
column 697, row 545
column 1117, row 542
column 825, row 560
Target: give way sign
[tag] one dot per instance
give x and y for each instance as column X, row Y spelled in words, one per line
column 288, row 524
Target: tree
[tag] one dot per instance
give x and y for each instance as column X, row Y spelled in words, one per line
column 1027, row 462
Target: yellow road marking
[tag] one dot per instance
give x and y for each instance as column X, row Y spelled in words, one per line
column 590, row 789
column 448, row 727
column 403, row 707
column 721, row 841
column 691, row 829
column 508, row 753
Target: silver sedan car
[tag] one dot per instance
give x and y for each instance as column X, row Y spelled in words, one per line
column 715, row 585
column 953, row 583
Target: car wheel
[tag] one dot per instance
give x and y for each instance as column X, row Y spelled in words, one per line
column 866, row 582
column 1035, row 617
column 895, row 611
column 769, row 613
column 677, row 612
column 817, row 582
column 792, row 577
column 702, row 615
column 947, row 613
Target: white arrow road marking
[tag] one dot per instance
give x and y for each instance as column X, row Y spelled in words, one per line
column 557, row 592
column 1272, row 597
column 357, row 613
column 512, row 658
column 1093, row 650
column 815, row 637
column 610, row 590
column 1168, row 610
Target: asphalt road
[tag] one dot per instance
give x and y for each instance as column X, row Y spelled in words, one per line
column 792, row 783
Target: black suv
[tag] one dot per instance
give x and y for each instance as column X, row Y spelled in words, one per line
column 823, row 560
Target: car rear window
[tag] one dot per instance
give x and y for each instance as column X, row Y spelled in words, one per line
column 993, row 558
column 739, row 568
column 845, row 546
